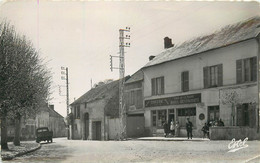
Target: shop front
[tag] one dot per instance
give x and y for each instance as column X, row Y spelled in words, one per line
column 176, row 109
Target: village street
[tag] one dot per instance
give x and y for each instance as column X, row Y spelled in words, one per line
column 62, row 150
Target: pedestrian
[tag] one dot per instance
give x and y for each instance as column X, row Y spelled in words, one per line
column 177, row 128
column 172, row 127
column 205, row 130
column 220, row 123
column 166, row 128
column 189, row 128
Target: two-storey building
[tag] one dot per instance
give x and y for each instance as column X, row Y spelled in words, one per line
column 133, row 89
column 95, row 114
column 206, row 79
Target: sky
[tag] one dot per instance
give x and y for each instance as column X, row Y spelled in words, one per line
column 81, row 35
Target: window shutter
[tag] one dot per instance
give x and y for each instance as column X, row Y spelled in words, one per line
column 186, row 81
column 253, row 64
column 153, row 86
column 239, row 71
column 182, row 81
column 206, row 76
column 220, row 74
column 162, row 85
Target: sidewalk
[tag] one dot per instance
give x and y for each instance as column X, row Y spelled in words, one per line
column 172, row 139
column 15, row 151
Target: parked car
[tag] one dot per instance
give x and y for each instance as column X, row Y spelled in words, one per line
column 43, row 134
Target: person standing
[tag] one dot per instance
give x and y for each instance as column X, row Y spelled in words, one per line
column 177, row 128
column 189, row 128
column 166, row 129
column 205, row 130
column 172, row 128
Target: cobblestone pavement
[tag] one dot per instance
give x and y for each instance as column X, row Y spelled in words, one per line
column 71, row 151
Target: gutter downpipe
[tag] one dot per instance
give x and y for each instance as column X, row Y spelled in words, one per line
column 258, row 73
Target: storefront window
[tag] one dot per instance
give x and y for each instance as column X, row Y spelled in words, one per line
column 161, row 118
column 185, row 113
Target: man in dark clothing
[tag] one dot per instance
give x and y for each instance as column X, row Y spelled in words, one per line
column 220, row 123
column 166, row 129
column 189, row 128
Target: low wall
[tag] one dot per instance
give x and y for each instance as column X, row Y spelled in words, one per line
column 230, row 132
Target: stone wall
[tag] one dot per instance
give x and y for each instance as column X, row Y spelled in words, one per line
column 228, row 133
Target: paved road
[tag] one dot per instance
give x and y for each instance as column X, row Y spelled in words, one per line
column 71, row 151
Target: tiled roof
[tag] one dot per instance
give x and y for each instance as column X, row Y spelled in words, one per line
column 99, row 92
column 137, row 76
column 109, row 92
column 228, row 35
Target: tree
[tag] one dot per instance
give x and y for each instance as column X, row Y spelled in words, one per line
column 24, row 80
column 231, row 97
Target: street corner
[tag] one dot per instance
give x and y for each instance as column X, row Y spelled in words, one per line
column 16, row 151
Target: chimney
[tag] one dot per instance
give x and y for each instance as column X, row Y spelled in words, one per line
column 151, row 57
column 168, row 43
column 51, row 107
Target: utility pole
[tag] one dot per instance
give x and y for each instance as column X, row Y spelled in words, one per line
column 122, row 109
column 67, row 93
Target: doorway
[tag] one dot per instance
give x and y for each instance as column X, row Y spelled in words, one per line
column 86, row 118
column 96, row 130
column 171, row 116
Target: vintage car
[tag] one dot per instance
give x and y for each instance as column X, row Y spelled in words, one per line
column 43, row 134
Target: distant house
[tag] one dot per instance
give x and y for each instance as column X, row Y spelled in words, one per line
column 206, row 79
column 95, row 114
column 48, row 117
column 45, row 117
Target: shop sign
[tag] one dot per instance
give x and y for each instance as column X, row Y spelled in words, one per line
column 177, row 100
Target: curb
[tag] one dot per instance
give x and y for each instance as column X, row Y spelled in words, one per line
column 170, row 139
column 21, row 153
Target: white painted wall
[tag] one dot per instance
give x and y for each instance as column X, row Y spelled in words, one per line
column 194, row 64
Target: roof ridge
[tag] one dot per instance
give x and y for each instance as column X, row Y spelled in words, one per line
column 226, row 35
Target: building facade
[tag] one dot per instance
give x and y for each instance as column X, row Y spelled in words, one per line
column 95, row 114
column 45, row 117
column 133, row 89
column 206, row 79
column 48, row 117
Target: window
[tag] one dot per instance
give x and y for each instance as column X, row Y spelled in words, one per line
column 213, row 76
column 77, row 112
column 246, row 70
column 85, row 105
column 154, row 118
column 185, row 113
column 185, row 81
column 161, row 118
column 158, row 86
column 158, row 118
column 134, row 97
column 213, row 113
column 246, row 115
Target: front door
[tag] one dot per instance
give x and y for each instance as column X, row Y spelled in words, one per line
column 171, row 116
column 86, row 117
column 96, row 130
